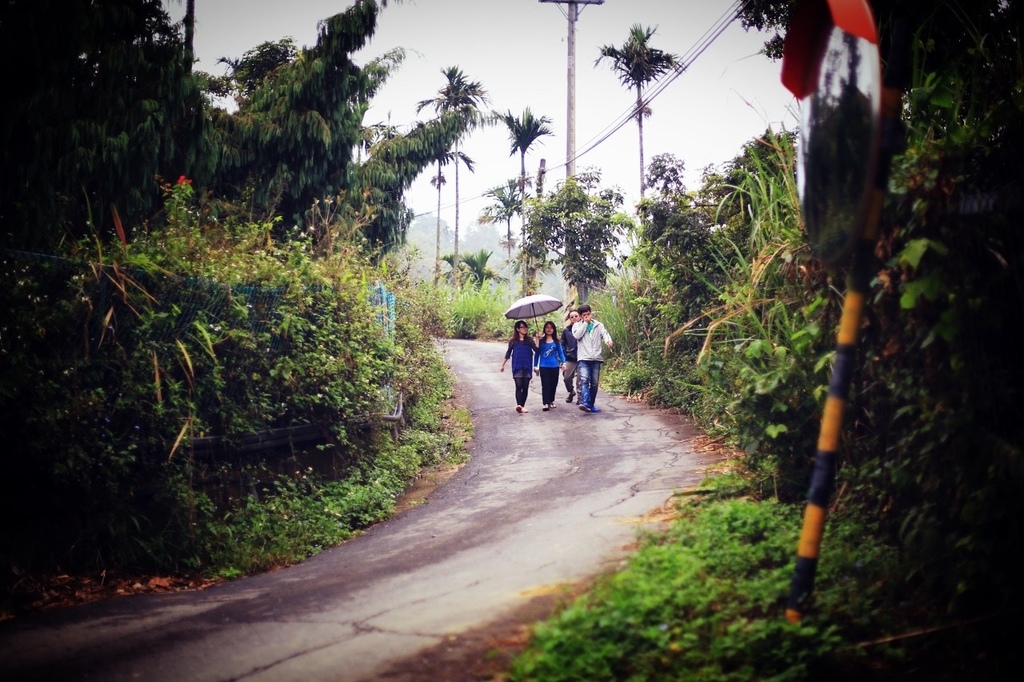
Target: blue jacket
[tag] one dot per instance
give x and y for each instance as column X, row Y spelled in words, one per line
column 549, row 355
column 521, row 353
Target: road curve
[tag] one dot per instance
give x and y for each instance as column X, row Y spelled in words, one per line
column 548, row 498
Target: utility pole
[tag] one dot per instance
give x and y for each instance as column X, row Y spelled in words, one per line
column 573, row 14
column 570, row 115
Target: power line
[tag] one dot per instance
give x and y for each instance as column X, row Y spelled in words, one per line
column 689, row 57
column 687, row 60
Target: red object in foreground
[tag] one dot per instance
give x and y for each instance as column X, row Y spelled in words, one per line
column 117, row 225
column 812, row 20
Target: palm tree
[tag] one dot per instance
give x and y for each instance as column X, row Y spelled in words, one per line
column 465, row 98
column 473, row 268
column 439, row 181
column 449, row 258
column 507, row 204
column 476, row 268
column 637, row 64
column 372, row 135
column 522, row 133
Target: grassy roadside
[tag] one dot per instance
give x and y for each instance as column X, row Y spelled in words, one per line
column 704, row 600
column 295, row 517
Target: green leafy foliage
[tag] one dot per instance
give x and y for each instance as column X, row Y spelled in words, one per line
column 119, row 364
column 580, row 225
column 291, row 519
column 479, row 313
column 104, row 103
column 721, row 320
column 111, row 106
column 940, row 384
column 930, row 447
column 702, row 602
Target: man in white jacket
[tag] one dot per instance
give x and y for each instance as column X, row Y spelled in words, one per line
column 589, row 334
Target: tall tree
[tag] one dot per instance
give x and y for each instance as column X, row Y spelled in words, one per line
column 296, row 136
column 581, row 225
column 109, row 103
column 389, row 171
column 507, row 204
column 637, row 64
column 465, row 99
column 104, row 102
column 439, row 181
column 523, row 131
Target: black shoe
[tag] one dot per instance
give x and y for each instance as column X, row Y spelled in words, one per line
column 569, row 398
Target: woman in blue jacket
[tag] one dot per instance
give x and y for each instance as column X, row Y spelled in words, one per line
column 547, row 362
column 521, row 348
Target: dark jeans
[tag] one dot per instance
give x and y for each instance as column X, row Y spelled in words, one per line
column 548, row 383
column 590, row 375
column 522, row 390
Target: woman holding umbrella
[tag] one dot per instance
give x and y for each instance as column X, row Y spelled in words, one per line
column 521, row 349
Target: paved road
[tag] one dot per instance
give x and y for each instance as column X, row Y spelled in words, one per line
column 548, row 498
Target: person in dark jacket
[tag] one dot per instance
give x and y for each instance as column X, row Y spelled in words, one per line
column 569, row 375
column 521, row 348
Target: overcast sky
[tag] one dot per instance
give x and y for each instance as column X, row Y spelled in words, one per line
column 518, row 50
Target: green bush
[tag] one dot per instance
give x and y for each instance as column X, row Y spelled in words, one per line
column 704, row 602
column 479, row 313
column 116, row 361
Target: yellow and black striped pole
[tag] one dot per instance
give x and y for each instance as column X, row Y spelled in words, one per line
column 858, row 282
column 823, row 476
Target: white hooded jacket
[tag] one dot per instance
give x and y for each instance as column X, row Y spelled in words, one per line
column 588, row 346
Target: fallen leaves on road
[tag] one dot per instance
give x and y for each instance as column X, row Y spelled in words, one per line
column 38, row 593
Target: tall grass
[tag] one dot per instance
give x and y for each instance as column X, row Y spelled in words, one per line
column 479, row 312
column 767, row 341
column 623, row 306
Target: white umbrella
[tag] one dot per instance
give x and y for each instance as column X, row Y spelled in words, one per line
column 534, row 305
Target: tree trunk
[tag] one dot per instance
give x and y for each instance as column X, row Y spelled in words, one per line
column 437, row 252
column 190, row 30
column 522, row 219
column 455, row 258
column 582, row 292
column 508, row 242
column 640, row 127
